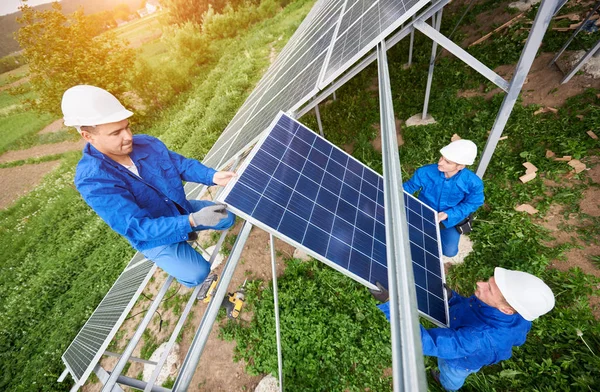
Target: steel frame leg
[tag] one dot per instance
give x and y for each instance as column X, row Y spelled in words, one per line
column 540, row 25
column 436, row 22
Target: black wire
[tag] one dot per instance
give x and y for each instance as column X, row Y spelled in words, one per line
column 156, row 311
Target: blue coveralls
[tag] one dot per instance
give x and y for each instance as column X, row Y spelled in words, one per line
column 479, row 335
column 151, row 212
column 457, row 196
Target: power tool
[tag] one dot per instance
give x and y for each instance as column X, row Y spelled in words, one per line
column 208, row 288
column 233, row 302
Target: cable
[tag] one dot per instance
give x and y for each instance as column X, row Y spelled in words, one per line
column 156, row 311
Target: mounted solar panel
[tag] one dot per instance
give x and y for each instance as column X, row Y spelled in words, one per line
column 306, row 191
column 88, row 346
column 335, row 35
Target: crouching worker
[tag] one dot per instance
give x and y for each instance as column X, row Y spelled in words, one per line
column 484, row 327
column 451, row 189
column 134, row 183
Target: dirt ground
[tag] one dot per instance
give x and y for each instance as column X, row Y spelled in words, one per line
column 18, row 181
column 542, row 86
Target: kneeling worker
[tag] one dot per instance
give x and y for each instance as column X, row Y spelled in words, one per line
column 134, row 183
column 484, row 327
column 451, row 189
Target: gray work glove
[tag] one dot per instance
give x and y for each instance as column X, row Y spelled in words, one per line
column 209, row 215
column 380, row 295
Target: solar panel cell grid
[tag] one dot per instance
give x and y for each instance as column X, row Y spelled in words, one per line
column 310, row 193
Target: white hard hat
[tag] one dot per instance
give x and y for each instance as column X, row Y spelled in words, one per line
column 89, row 105
column 460, row 151
column 526, row 293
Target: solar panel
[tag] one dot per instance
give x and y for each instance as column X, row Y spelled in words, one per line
column 334, row 35
column 88, row 346
column 306, row 191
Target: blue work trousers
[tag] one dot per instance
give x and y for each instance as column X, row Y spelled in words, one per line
column 452, row 378
column 182, row 261
column 450, row 238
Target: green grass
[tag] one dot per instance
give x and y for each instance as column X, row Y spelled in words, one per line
column 140, row 31
column 14, row 75
column 18, row 125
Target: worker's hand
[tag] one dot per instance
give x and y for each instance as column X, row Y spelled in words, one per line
column 209, row 215
column 223, row 177
column 381, row 294
column 442, row 216
column 448, row 290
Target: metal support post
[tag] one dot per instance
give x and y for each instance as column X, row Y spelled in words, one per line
column 581, row 62
column 407, row 354
column 112, row 380
column 462, row 54
column 318, row 114
column 276, row 304
column 181, row 321
column 334, row 97
column 184, row 379
column 540, row 25
column 410, row 47
column 436, row 22
column 103, row 375
column 577, row 30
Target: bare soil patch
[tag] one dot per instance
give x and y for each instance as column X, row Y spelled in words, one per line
column 53, row 127
column 542, row 86
column 376, row 143
column 18, row 181
column 41, row 151
column 485, row 22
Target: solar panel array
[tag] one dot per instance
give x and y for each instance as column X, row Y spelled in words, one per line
column 88, row 346
column 303, row 189
column 333, row 36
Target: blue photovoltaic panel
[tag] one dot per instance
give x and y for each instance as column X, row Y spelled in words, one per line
column 310, row 193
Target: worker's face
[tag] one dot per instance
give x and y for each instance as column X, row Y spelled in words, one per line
column 489, row 293
column 448, row 167
column 113, row 139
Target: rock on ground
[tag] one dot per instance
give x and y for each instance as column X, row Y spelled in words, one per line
column 523, row 5
column 417, row 119
column 268, row 384
column 300, row 254
column 591, row 67
column 170, row 367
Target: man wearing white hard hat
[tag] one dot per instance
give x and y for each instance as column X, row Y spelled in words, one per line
column 451, row 189
column 485, row 326
column 134, row 183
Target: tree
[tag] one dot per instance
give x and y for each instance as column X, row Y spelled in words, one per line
column 63, row 51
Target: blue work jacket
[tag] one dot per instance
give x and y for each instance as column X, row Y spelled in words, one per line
column 149, row 211
column 457, row 196
column 479, row 334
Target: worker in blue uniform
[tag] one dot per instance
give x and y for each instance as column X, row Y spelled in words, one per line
column 451, row 189
column 134, row 183
column 485, row 326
